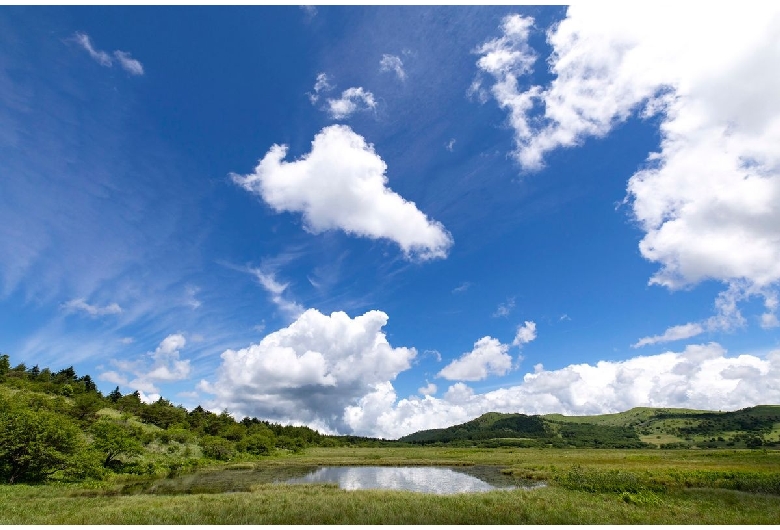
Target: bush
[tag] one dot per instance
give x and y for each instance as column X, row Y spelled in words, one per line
column 256, row 444
column 35, row 444
column 216, row 448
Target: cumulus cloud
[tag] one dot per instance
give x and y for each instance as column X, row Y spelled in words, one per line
column 489, row 357
column 341, row 184
column 714, row 185
column 310, row 371
column 392, row 63
column 701, row 376
column 428, row 389
column 769, row 319
column 161, row 365
column 79, row 304
column 126, row 62
column 352, row 100
column 526, row 332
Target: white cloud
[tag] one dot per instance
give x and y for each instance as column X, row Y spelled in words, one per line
column 433, row 353
column 428, row 389
column 100, row 57
column 276, row 290
column 701, row 377
column 352, row 100
column 128, row 64
column 113, row 377
column 392, row 63
column 309, row 371
column 505, row 59
column 504, row 309
column 769, row 319
column 450, row 146
column 463, row 287
column 525, row 333
column 127, row 340
column 489, row 357
column 322, row 84
column 79, row 304
column 165, row 366
column 683, row 331
column 311, row 11
column 342, row 184
column 708, row 199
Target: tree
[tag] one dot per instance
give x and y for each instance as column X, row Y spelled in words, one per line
column 5, row 366
column 115, row 395
column 34, row 444
column 113, row 440
column 35, row 372
column 89, row 385
column 85, row 406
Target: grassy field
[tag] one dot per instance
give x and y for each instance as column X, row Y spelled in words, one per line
column 585, row 486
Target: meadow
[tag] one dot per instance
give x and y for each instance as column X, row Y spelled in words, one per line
column 585, row 486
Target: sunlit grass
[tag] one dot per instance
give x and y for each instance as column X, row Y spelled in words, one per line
column 586, row 486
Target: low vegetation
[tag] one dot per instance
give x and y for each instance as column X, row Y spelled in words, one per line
column 70, row 455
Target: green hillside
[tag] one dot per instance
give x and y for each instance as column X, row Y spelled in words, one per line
column 639, row 427
column 57, row 425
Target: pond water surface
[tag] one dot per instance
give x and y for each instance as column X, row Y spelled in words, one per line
column 422, row 479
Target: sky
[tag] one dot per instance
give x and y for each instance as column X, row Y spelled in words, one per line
column 378, row 220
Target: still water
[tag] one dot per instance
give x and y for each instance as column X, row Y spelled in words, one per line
column 428, row 479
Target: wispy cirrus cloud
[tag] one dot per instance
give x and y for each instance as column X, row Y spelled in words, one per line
column 80, row 305
column 125, row 60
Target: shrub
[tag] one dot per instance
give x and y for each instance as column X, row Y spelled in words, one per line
column 216, row 448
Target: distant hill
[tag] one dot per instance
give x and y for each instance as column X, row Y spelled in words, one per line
column 752, row 427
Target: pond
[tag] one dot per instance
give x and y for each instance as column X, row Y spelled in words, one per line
column 440, row 480
column 422, row 479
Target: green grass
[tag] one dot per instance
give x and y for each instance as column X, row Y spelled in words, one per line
column 323, row 504
column 586, row 487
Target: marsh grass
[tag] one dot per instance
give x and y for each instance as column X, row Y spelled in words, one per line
column 586, row 487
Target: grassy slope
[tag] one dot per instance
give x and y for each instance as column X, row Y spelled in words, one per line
column 652, row 425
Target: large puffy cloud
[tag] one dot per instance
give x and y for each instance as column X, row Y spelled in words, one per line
column 489, row 357
column 341, row 184
column 701, row 376
column 708, row 199
column 309, row 371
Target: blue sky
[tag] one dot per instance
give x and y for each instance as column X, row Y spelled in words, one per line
column 376, row 220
